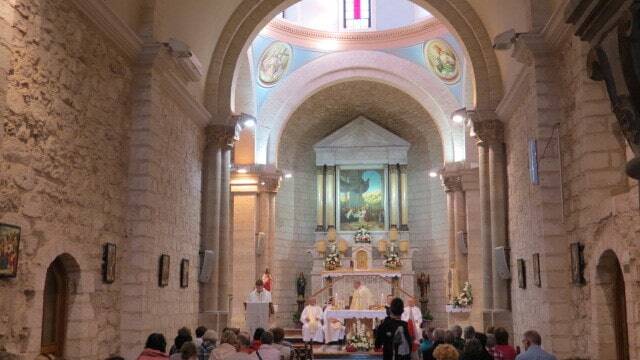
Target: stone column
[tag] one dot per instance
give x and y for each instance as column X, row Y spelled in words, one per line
column 211, row 178
column 330, row 196
column 485, row 224
column 394, row 215
column 225, row 247
column 320, row 211
column 450, row 184
column 404, row 199
column 459, row 203
column 490, row 133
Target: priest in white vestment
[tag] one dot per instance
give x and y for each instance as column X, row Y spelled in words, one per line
column 259, row 294
column 333, row 328
column 361, row 298
column 413, row 316
column 311, row 319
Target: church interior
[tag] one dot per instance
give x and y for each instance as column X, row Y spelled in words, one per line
column 479, row 158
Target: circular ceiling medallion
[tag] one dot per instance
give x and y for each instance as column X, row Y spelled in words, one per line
column 442, row 60
column 274, row 63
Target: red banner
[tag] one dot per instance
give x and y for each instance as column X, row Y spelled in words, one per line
column 356, row 9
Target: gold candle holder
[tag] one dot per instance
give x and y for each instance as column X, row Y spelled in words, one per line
column 321, row 246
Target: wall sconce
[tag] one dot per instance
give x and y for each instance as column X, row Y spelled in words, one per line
column 459, row 116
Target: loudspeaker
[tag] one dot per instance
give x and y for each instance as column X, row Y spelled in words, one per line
column 462, row 242
column 206, row 266
column 501, row 259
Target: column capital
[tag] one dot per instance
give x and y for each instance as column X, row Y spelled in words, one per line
column 489, row 131
column 222, row 136
column 256, row 179
column 452, row 183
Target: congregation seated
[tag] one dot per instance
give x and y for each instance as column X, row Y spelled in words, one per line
column 243, row 348
column 155, row 348
column 200, row 330
column 188, row 351
column 502, row 349
column 532, row 347
column 473, row 350
column 255, row 344
column 446, row 352
column 228, row 343
column 208, row 343
column 279, row 343
column 184, row 335
column 267, row 351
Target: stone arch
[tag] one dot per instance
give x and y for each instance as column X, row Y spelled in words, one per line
column 81, row 328
column 251, row 15
column 336, row 68
column 610, row 336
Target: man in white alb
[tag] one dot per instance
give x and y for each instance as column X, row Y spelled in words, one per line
column 413, row 316
column 362, row 297
column 333, row 328
column 311, row 319
column 259, row 294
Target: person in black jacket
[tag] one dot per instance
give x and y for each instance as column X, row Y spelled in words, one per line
column 473, row 350
column 389, row 338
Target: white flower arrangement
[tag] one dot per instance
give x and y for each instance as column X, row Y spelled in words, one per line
column 358, row 339
column 332, row 261
column 392, row 261
column 464, row 299
column 362, row 236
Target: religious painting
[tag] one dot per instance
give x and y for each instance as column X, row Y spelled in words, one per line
column 109, row 263
column 522, row 274
column 362, row 198
column 163, row 270
column 184, row 273
column 274, row 63
column 442, row 60
column 536, row 270
column 9, row 250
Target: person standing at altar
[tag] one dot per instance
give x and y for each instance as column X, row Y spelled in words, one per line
column 259, row 294
column 413, row 316
column 362, row 297
column 333, row 328
column 311, row 319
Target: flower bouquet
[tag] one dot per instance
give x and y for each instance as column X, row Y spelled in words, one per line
column 362, row 236
column 464, row 299
column 358, row 339
column 332, row 261
column 392, row 261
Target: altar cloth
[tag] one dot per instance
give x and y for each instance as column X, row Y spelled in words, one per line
column 356, row 314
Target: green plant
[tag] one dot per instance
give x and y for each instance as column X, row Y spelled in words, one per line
column 427, row 316
column 295, row 317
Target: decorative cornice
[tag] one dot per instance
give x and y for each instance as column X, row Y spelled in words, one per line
column 489, row 131
column 255, row 179
column 291, row 33
column 111, row 25
column 221, row 136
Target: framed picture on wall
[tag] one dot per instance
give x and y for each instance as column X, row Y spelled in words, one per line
column 536, row 270
column 184, row 273
column 109, row 263
column 9, row 250
column 163, row 270
column 522, row 274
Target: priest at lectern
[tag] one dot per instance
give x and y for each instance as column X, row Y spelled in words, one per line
column 311, row 319
column 259, row 294
column 362, row 297
column 258, row 308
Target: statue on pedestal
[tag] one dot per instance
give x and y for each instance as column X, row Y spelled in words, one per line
column 301, row 285
column 424, row 283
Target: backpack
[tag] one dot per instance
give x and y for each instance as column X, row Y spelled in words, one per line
column 400, row 342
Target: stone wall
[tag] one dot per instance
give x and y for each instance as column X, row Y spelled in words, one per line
column 78, row 169
column 63, row 170
column 583, row 196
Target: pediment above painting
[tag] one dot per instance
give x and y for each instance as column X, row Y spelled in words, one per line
column 361, row 142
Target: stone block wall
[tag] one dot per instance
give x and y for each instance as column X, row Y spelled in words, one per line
column 63, row 169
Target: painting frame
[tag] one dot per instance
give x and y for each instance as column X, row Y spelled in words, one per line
column 9, row 250
column 537, row 281
column 430, row 60
column 384, row 189
column 522, row 274
column 109, row 263
column 163, row 270
column 184, row 273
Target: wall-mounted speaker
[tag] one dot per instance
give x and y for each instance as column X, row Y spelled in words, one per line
column 206, row 266
column 501, row 259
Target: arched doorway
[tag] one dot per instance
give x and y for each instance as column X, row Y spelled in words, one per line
column 54, row 309
column 610, row 315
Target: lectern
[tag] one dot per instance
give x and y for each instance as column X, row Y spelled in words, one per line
column 257, row 316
